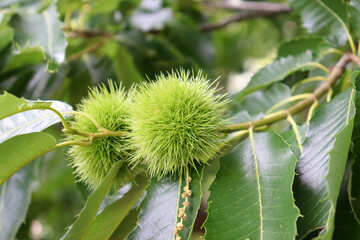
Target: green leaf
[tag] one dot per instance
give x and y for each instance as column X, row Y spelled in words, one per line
column 327, row 17
column 15, row 193
column 317, row 45
column 293, row 80
column 69, row 5
column 259, row 102
column 128, row 224
column 346, row 226
column 18, row 151
column 96, row 7
column 159, row 207
column 110, row 218
column 10, row 104
column 27, row 57
column 355, row 171
column 41, row 30
column 5, row 16
column 15, row 196
column 251, row 196
column 322, row 163
column 277, row 71
column 81, row 226
column 14, row 122
column 6, row 35
column 355, row 178
column 290, row 138
column 354, row 9
column 256, row 105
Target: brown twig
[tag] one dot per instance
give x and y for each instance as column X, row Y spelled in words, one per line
column 257, row 9
column 254, row 10
column 335, row 74
column 250, row 6
column 208, row 27
column 86, row 33
column 88, row 50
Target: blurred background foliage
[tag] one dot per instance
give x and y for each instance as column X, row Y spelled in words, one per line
column 58, row 49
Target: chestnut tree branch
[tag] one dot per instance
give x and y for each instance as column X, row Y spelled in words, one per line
column 208, row 27
column 86, row 33
column 335, row 74
column 250, row 6
column 253, row 10
column 88, row 50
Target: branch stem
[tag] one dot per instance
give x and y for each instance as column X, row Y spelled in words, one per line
column 308, row 80
column 322, row 67
column 238, row 17
column 253, row 10
column 335, row 74
column 312, row 110
column 100, row 128
column 68, row 143
column 88, row 50
column 62, row 119
column 104, row 132
column 93, row 136
column 296, row 131
column 290, row 99
column 329, row 95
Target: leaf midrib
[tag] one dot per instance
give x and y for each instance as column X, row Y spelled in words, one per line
column 258, row 182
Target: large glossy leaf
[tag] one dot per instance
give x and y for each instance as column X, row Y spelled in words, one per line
column 251, row 196
column 322, row 163
column 277, row 71
column 159, row 208
column 128, row 224
column 346, row 225
column 355, row 178
column 290, row 138
column 326, row 17
column 6, row 34
column 41, row 30
column 15, row 193
column 18, row 151
column 81, row 226
column 296, row 46
column 11, row 104
column 28, row 121
column 355, row 171
column 15, row 196
column 110, row 218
